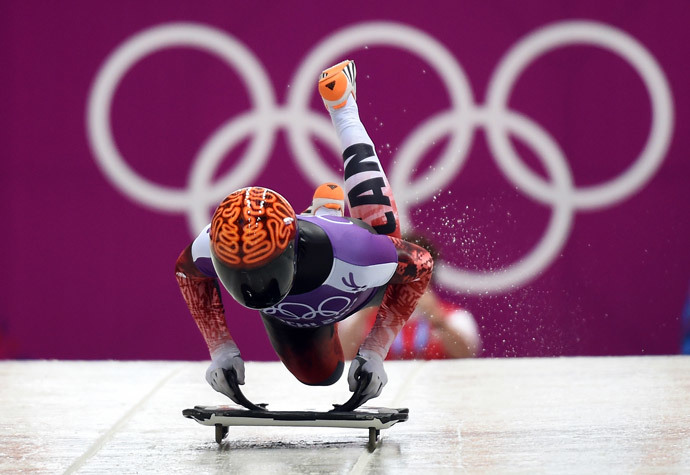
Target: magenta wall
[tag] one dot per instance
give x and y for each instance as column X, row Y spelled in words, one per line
column 545, row 142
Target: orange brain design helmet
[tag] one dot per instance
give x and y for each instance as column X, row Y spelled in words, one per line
column 253, row 246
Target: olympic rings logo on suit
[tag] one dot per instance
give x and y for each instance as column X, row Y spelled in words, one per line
column 461, row 121
column 324, row 310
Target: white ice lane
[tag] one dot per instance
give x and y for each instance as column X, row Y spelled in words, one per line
column 558, row 415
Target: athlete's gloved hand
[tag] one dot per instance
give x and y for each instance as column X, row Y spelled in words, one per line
column 225, row 358
column 367, row 375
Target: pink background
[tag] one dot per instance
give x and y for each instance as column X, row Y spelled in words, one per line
column 89, row 270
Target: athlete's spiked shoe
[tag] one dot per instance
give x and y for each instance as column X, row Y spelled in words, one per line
column 337, row 83
column 329, row 199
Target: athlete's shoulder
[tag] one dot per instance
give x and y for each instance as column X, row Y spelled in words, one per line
column 201, row 252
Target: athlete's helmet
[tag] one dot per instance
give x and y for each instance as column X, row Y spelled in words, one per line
column 253, row 246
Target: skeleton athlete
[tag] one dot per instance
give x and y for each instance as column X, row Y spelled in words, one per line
column 305, row 273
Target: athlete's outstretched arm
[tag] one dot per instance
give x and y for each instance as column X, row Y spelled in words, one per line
column 202, row 295
column 201, row 292
column 401, row 296
column 409, row 283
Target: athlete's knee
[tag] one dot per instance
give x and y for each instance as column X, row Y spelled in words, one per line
column 318, row 379
column 313, row 356
column 311, row 373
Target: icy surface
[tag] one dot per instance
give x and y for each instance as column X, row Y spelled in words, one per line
column 559, row 415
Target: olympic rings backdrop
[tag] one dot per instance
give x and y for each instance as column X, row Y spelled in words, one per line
column 542, row 146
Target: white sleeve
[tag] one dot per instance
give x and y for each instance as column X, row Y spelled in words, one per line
column 348, row 125
column 201, row 247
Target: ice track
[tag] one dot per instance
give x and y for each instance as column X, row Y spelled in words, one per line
column 558, row 415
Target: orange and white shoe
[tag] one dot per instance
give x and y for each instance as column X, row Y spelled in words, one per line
column 328, row 200
column 337, row 83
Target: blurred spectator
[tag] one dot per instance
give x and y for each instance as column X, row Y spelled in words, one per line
column 436, row 330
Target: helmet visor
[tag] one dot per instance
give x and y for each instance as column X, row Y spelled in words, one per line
column 259, row 287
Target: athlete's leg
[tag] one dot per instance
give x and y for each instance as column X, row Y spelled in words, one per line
column 367, row 189
column 313, row 355
column 371, row 199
